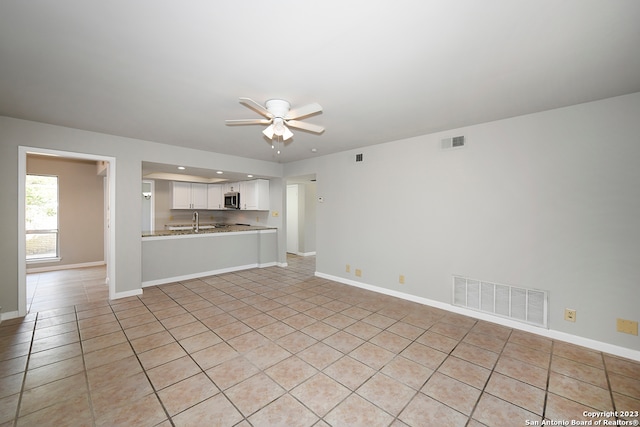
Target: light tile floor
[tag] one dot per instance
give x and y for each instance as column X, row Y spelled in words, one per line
column 62, row 288
column 280, row 347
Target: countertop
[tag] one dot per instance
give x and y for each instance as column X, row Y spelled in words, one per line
column 218, row 229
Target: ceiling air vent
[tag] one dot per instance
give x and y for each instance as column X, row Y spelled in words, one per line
column 455, row 142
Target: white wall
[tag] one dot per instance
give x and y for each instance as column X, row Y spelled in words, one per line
column 547, row 201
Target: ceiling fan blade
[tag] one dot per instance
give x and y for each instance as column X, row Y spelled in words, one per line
column 306, row 126
column 248, row 102
column 248, row 122
column 303, row 111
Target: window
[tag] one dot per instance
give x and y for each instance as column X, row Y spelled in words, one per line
column 42, row 217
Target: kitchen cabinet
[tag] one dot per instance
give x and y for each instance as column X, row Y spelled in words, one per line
column 215, row 196
column 229, row 187
column 254, row 195
column 188, row 195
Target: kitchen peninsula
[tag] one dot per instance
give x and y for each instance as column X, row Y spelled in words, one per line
column 174, row 255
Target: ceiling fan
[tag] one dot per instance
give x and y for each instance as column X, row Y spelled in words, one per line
column 279, row 115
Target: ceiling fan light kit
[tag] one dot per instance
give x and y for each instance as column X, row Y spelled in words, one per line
column 279, row 116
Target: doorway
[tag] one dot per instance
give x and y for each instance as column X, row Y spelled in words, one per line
column 293, row 213
column 109, row 227
column 301, row 215
column 148, row 211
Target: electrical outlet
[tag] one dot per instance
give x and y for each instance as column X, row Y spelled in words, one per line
column 627, row 326
column 401, row 279
column 358, row 272
column 347, row 268
column 569, row 315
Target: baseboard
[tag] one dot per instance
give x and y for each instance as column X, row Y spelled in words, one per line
column 65, row 267
column 548, row 333
column 304, row 253
column 127, row 294
column 9, row 315
column 267, row 264
column 198, row 275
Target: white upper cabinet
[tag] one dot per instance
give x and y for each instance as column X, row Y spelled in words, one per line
column 215, row 196
column 230, row 187
column 199, row 196
column 188, row 195
column 254, row 195
column 180, row 195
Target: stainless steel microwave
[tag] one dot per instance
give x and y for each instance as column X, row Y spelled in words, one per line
column 232, row 200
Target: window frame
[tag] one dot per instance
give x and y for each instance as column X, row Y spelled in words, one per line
column 55, row 231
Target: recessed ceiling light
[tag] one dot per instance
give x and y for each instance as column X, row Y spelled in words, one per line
column 314, row 150
column 219, row 172
column 249, row 176
column 181, row 168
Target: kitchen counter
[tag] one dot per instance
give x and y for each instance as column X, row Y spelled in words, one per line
column 176, row 255
column 206, row 230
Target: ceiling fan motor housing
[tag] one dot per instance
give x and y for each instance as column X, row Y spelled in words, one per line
column 278, row 107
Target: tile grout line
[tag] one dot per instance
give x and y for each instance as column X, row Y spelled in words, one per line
column 606, row 375
column 483, row 390
column 26, row 368
column 84, row 365
column 546, row 390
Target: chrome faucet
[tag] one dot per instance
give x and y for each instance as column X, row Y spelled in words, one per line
column 196, row 221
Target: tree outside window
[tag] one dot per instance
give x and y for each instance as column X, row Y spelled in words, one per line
column 41, row 217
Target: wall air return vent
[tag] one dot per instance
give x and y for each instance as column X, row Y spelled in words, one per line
column 455, row 142
column 358, row 157
column 521, row 304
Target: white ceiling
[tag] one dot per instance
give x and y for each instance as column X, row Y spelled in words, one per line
column 172, row 71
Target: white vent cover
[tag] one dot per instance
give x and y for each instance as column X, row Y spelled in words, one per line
column 524, row 305
column 455, row 142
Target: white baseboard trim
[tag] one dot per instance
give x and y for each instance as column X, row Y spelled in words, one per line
column 197, row 275
column 304, row 253
column 267, row 264
column 548, row 333
column 282, row 264
column 65, row 267
column 9, row 315
column 127, row 294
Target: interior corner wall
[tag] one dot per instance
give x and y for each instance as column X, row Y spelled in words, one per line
column 545, row 201
column 81, row 208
